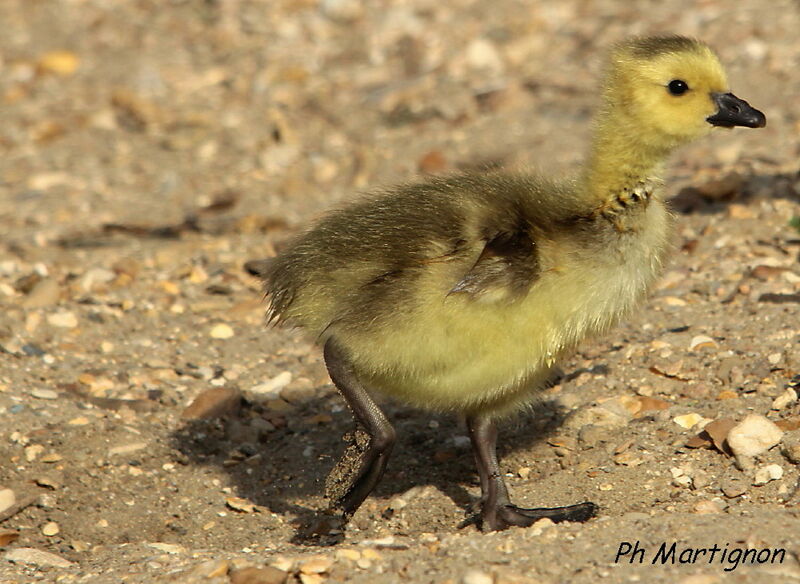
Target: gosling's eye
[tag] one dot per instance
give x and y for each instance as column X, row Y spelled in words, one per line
column 677, row 87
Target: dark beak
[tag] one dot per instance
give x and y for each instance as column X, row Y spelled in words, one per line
column 735, row 112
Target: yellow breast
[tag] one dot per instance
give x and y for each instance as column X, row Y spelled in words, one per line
column 455, row 353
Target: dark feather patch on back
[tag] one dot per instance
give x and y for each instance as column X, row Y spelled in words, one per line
column 508, row 263
column 361, row 265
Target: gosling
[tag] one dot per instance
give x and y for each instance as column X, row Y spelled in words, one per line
column 461, row 293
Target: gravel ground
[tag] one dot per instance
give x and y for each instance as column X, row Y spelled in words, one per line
column 153, row 430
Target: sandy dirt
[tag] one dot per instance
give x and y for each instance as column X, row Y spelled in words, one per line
column 148, row 149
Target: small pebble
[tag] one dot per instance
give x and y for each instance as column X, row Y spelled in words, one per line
column 688, row 420
column 364, row 563
column 707, row 507
column 7, row 499
column 64, row 319
column 765, row 474
column 297, row 394
column 733, row 488
column 58, row 62
column 46, row 292
column 26, row 555
column 477, row 577
column 213, row 403
column 221, row 331
column 48, row 483
column 702, row 342
column 791, row 450
column 168, row 548
column 50, row 529
column 789, row 396
column 348, row 554
column 127, row 448
column 95, row 278
column 342, row 10
column 8, row 536
column 253, row 575
column 700, row 479
column 44, row 393
column 33, row 451
column 239, row 504
column 701, row 579
column 269, row 389
column 482, row 54
column 538, row 528
column 462, row 442
column 316, row 565
column 682, row 481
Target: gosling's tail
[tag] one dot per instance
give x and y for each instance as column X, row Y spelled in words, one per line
column 279, row 286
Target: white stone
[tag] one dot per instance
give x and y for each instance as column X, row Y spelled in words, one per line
column 169, row 548
column 94, row 277
column 753, row 435
column 342, row 10
column 270, row 389
column 7, row 499
column 221, row 331
column 477, row 577
column 63, row 319
column 787, row 397
column 689, row 420
column 25, row 555
column 462, row 442
column 33, row 451
column 44, row 393
column 482, row 54
column 771, row 472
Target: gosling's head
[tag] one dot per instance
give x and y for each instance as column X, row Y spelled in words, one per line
column 672, row 89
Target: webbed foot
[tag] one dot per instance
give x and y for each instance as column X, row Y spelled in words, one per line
column 505, row 516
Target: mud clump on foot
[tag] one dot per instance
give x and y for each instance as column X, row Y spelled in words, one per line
column 345, row 472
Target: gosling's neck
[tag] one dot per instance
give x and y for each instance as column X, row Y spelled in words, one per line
column 621, row 161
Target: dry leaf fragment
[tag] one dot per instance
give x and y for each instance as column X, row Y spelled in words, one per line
column 718, row 432
column 714, row 434
column 8, row 536
column 701, row 440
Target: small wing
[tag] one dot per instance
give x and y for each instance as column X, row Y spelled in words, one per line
column 506, row 268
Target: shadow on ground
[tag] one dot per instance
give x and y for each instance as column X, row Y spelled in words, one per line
column 285, row 470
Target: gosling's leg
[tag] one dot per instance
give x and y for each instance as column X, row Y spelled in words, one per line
column 497, row 512
column 368, row 414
